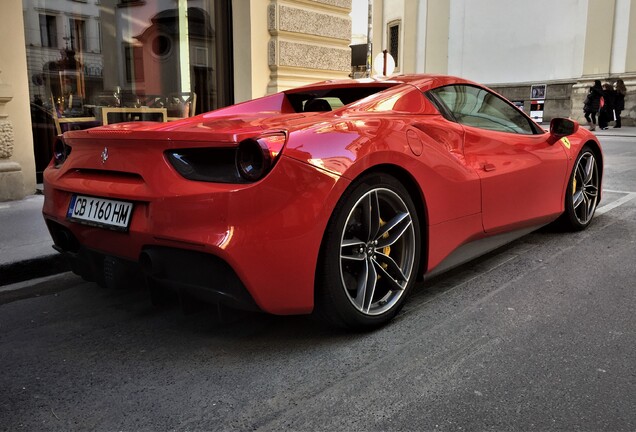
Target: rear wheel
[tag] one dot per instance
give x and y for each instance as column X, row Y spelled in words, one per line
column 581, row 198
column 369, row 254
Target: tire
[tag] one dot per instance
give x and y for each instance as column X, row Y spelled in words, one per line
column 370, row 254
column 581, row 196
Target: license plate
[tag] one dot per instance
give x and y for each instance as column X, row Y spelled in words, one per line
column 100, row 212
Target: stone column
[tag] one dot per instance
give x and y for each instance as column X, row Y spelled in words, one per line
column 17, row 171
column 309, row 42
column 630, row 55
column 437, row 28
column 11, row 179
column 598, row 39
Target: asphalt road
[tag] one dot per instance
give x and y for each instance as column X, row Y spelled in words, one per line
column 539, row 335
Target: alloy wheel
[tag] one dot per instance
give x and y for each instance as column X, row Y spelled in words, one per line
column 377, row 251
column 585, row 187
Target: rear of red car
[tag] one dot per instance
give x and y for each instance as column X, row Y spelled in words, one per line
column 216, row 215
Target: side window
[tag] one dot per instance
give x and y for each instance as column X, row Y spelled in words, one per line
column 474, row 106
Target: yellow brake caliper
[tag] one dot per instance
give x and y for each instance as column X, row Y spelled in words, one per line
column 387, row 249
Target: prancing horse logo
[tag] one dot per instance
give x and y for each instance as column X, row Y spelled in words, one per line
column 105, row 155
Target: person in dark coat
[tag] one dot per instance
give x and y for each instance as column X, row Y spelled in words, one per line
column 619, row 100
column 606, row 114
column 592, row 104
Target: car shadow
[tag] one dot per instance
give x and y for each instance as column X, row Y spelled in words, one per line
column 283, row 332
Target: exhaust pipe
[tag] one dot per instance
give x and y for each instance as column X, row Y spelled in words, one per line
column 63, row 239
column 149, row 262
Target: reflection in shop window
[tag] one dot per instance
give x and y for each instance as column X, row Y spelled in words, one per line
column 48, row 31
column 161, row 46
column 99, row 37
column 77, row 34
column 84, row 57
column 200, row 56
column 134, row 63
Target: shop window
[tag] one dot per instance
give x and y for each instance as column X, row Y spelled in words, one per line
column 131, row 57
column 48, row 31
column 394, row 41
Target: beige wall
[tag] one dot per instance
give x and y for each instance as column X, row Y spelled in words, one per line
column 437, row 28
column 409, row 36
column 630, row 60
column 379, row 29
column 598, row 37
column 13, row 72
column 251, row 72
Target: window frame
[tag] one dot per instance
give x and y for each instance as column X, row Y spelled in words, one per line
column 133, row 74
column 78, row 38
column 50, row 30
column 396, row 56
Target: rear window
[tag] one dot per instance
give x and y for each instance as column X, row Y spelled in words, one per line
column 329, row 99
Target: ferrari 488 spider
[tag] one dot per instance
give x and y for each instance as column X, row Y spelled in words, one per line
column 333, row 198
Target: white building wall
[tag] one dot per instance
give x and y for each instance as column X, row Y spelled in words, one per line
column 359, row 21
column 619, row 40
column 513, row 41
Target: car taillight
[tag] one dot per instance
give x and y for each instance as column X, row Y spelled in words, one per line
column 60, row 151
column 250, row 162
column 256, row 157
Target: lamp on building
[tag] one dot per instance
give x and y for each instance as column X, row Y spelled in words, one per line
column 383, row 64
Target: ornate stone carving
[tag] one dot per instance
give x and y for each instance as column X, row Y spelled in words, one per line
column 6, row 128
column 6, row 139
column 309, row 41
column 313, row 57
column 296, row 20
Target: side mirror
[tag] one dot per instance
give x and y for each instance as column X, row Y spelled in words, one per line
column 561, row 127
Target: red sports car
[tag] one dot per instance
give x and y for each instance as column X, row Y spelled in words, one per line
column 332, row 198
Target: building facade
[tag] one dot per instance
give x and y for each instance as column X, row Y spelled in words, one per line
column 69, row 64
column 73, row 64
column 513, row 45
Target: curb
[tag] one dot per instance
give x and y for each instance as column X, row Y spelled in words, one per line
column 49, row 285
column 614, row 135
column 33, row 268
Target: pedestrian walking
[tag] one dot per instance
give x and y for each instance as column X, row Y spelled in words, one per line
column 606, row 114
column 592, row 104
column 619, row 101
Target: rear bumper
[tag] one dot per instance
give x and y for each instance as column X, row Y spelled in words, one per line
column 200, row 275
column 250, row 246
